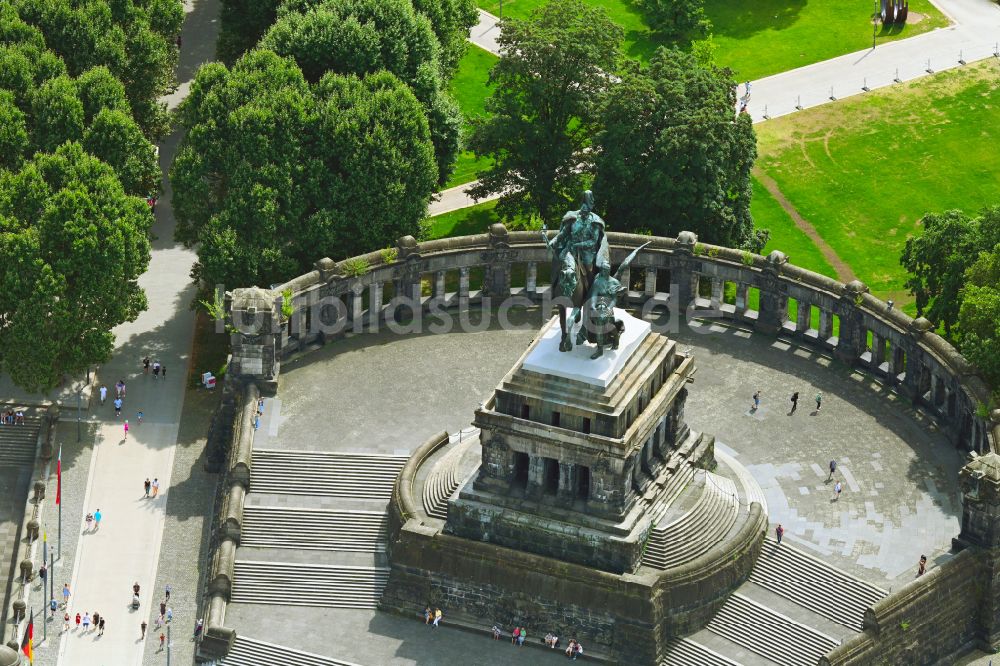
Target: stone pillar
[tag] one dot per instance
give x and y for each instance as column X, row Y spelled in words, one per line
column 531, row 280
column 717, row 292
column 649, row 282
column 741, row 297
column 406, row 275
column 439, row 282
column 357, row 303
column 897, row 360
column 536, row 478
column 914, row 368
column 937, row 391
column 878, row 351
column 803, row 318
column 682, row 270
column 463, row 283
column 825, row 325
column 980, row 484
column 496, row 281
column 567, row 484
column 853, row 338
column 773, row 301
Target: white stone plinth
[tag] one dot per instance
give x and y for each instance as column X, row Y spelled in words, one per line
column 546, row 358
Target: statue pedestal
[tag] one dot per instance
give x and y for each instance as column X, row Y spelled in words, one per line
column 545, row 357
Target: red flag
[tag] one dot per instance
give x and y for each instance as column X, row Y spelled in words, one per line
column 59, row 477
column 27, row 646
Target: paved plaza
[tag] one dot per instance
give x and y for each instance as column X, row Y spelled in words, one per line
column 384, row 393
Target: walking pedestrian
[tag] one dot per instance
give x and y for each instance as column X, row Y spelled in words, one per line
column 795, row 401
column 65, row 622
column 146, row 485
column 756, row 400
column 819, row 401
column 145, row 365
column 779, row 532
column 170, row 615
column 163, row 371
column 97, row 619
column 198, row 626
column 922, row 566
column 126, row 428
column 156, row 486
column 101, row 625
column 836, row 490
column 163, row 608
column 97, row 520
column 53, row 606
column 86, row 622
column 163, row 639
column 77, row 620
column 142, row 630
column 139, row 417
column 156, row 369
column 104, row 393
column 167, row 590
column 118, row 407
column 833, row 468
column 437, row 617
column 66, row 594
column 42, row 571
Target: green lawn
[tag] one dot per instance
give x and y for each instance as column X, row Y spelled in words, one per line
column 785, row 236
column 463, row 222
column 864, row 170
column 469, row 88
column 758, row 38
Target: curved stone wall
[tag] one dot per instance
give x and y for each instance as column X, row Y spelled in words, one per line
column 679, row 275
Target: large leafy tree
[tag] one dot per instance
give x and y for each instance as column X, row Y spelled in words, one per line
column 550, row 81
column 678, row 19
column 73, row 246
column 671, row 156
column 244, row 22
column 275, row 173
column 979, row 315
column 134, row 39
column 938, row 259
column 365, row 36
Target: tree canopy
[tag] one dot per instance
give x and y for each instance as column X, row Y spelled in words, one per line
column 73, row 246
column 678, row 19
column 365, row 36
column 938, row 259
column 671, row 157
column 550, row 81
column 134, row 39
column 979, row 316
column 275, row 173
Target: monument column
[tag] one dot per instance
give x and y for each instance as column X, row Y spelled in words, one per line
column 496, row 283
column 567, row 484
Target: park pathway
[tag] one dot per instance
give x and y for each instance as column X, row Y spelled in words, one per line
column 973, row 35
column 126, row 548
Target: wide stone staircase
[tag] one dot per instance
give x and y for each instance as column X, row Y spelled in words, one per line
column 814, row 584
column 698, row 527
column 19, row 442
column 314, row 529
column 308, row 584
column 441, row 483
column 252, row 652
column 686, row 652
column 770, row 634
column 347, row 475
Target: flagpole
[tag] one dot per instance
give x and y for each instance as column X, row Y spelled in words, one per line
column 59, row 497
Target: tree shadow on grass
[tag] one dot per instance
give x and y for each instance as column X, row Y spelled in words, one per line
column 741, row 19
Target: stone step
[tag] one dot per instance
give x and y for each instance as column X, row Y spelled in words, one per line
column 671, row 491
column 699, row 529
column 350, row 475
column 686, row 652
column 313, row 529
column 18, row 443
column 814, row 584
column 771, row 635
column 252, row 652
column 319, row 585
column 439, row 485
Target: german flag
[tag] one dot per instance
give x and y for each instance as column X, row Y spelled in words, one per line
column 26, row 643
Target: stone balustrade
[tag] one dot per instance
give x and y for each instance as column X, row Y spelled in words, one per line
column 680, row 276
